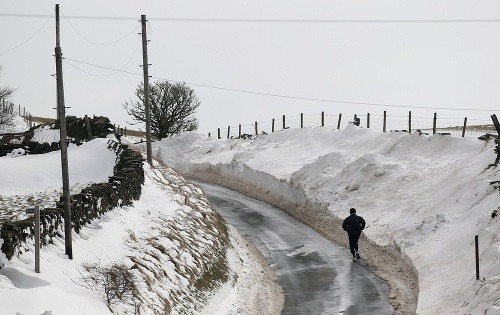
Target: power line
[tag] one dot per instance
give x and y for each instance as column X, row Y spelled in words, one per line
column 326, row 21
column 249, row 20
column 20, row 15
column 290, row 96
column 95, row 43
column 324, row 100
column 103, row 67
column 29, row 38
column 104, row 75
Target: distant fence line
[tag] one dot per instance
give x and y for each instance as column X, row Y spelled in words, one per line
column 13, row 109
column 460, row 127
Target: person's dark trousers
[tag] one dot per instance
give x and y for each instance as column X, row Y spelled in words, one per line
column 353, row 243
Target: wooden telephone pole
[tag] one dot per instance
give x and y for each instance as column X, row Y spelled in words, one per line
column 145, row 66
column 61, row 110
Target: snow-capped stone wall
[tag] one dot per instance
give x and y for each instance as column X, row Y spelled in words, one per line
column 30, row 142
column 123, row 187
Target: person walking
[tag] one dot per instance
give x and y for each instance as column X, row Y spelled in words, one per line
column 353, row 225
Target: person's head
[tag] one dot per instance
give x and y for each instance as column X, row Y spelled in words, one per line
column 352, row 211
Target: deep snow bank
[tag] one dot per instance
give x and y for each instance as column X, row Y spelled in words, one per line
column 91, row 162
column 424, row 197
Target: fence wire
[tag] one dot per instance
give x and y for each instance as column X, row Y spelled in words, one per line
column 453, row 126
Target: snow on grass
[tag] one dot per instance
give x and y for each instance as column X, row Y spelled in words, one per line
column 18, row 124
column 88, row 163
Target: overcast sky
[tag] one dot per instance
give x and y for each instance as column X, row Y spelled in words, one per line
column 426, row 65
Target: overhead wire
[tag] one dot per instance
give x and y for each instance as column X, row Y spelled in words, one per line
column 96, row 43
column 324, row 100
column 325, row 21
column 272, row 94
column 287, row 96
column 29, row 38
column 250, row 20
column 103, row 75
column 103, row 67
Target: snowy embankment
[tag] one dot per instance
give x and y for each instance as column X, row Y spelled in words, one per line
column 424, row 199
column 169, row 252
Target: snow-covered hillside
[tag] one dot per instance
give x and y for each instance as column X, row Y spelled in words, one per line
column 163, row 242
column 423, row 197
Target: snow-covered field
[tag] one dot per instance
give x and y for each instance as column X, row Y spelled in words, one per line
column 424, row 197
column 161, row 238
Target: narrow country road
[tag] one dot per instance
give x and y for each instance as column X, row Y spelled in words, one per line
column 317, row 276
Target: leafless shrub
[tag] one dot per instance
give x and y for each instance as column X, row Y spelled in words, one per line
column 7, row 112
column 115, row 282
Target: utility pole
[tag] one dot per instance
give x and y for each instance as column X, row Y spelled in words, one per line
column 61, row 110
column 145, row 66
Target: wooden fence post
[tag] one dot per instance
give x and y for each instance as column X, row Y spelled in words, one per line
column 476, row 239
column 434, row 124
column 256, row 129
column 301, row 120
column 340, row 119
column 409, row 121
column 239, row 131
column 272, row 126
column 284, row 124
column 322, row 119
column 228, row 131
column 218, row 133
column 368, row 120
column 37, row 239
column 465, row 126
column 385, row 121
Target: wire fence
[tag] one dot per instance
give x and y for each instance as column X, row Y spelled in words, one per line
column 453, row 126
column 8, row 111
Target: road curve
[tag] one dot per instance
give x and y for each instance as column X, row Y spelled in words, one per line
column 317, row 276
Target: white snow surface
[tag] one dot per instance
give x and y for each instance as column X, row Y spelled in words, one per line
column 27, row 174
column 427, row 196
column 120, row 234
column 18, row 124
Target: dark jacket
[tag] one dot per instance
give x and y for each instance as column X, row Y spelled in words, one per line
column 353, row 224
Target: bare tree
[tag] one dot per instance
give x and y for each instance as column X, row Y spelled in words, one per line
column 172, row 106
column 7, row 112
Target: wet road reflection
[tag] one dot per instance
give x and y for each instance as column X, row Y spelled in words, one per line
column 317, row 276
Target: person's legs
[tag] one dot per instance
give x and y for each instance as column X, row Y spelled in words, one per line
column 353, row 244
column 356, row 239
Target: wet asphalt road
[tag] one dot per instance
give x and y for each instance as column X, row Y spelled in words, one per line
column 317, row 276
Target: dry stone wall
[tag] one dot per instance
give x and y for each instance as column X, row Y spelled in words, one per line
column 22, row 141
column 121, row 189
column 77, row 131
